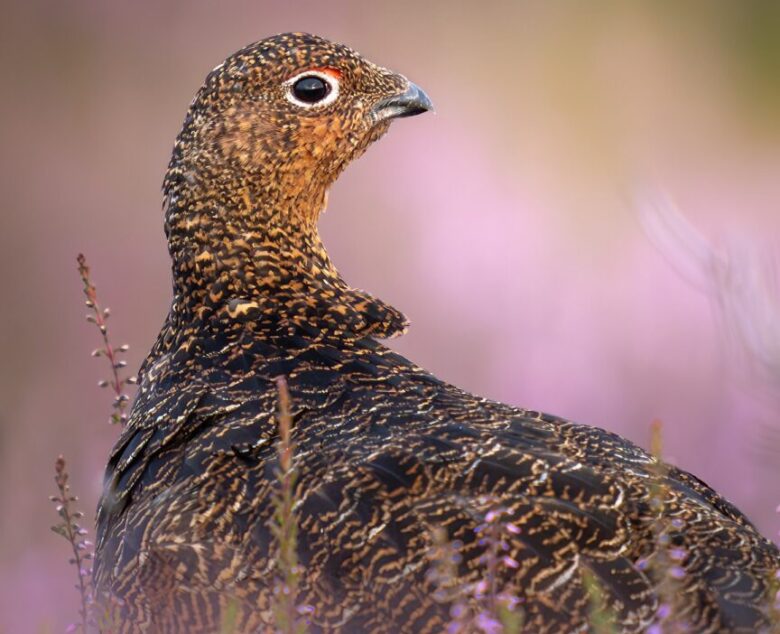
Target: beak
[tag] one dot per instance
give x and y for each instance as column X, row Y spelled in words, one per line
column 407, row 104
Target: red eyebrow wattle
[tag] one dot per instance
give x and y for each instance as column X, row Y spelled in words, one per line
column 328, row 70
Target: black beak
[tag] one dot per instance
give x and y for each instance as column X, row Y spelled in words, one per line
column 407, row 104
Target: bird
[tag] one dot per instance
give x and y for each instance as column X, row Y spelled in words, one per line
column 386, row 455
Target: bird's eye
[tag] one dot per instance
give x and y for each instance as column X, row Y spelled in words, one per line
column 312, row 88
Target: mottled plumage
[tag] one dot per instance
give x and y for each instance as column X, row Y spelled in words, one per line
column 385, row 452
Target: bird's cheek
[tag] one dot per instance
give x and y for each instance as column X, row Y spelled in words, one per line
column 321, row 138
column 241, row 135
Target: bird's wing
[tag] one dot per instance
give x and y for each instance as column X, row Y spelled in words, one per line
column 593, row 511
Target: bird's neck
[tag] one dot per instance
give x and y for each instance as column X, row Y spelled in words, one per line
column 234, row 254
column 239, row 233
column 245, row 262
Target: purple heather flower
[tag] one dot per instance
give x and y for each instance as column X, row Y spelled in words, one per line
column 480, row 587
column 509, row 600
column 510, row 563
column 488, row 624
column 678, row 554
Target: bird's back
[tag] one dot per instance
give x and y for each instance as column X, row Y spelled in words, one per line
column 386, row 454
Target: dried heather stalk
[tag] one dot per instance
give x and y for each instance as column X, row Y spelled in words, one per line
column 70, row 529
column 285, row 527
column 99, row 316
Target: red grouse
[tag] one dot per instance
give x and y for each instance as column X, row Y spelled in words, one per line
column 386, row 453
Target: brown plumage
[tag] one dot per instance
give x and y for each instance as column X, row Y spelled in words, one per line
column 386, row 453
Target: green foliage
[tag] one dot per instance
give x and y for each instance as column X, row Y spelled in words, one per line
column 229, row 624
column 600, row 616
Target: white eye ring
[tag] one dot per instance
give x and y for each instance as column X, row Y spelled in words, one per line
column 330, row 80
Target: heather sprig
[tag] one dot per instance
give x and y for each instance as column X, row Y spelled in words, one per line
column 99, row 316
column 288, row 614
column 482, row 605
column 445, row 558
column 497, row 605
column 665, row 567
column 69, row 526
column 774, row 595
column 70, row 529
column 774, row 599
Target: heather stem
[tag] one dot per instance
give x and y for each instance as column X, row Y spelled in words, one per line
column 69, row 529
column 494, row 539
column 99, row 317
column 285, row 526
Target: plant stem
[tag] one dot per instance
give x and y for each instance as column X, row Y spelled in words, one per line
column 99, row 317
column 70, row 531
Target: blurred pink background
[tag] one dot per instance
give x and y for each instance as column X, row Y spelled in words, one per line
column 505, row 226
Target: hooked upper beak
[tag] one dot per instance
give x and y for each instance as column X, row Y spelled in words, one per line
column 409, row 103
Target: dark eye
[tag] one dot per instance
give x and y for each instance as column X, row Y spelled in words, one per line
column 311, row 89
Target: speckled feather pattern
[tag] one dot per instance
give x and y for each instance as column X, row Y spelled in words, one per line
column 385, row 452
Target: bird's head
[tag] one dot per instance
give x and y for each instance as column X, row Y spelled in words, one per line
column 264, row 138
column 275, row 124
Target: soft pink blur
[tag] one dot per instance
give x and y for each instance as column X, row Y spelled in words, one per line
column 505, row 226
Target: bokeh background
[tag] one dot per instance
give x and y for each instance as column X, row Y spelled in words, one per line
column 506, row 226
